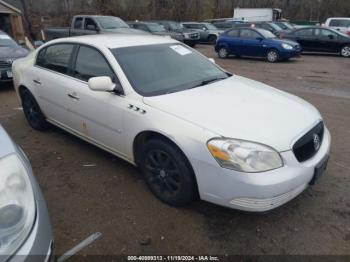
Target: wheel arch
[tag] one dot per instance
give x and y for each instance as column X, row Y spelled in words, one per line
column 147, row 135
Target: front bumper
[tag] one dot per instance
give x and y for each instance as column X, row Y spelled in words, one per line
column 290, row 54
column 258, row 192
column 6, row 74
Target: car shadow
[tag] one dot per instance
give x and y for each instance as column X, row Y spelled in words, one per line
column 6, row 86
column 260, row 59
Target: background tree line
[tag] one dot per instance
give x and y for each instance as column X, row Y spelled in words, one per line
column 59, row 12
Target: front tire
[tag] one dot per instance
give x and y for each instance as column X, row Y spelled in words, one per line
column 32, row 112
column 167, row 173
column 223, row 53
column 345, row 51
column 272, row 56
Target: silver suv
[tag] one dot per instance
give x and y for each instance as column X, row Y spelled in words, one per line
column 208, row 32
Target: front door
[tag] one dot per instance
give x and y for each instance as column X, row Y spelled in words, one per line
column 97, row 116
column 328, row 40
column 252, row 43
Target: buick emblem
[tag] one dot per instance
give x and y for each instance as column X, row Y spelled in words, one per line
column 317, row 142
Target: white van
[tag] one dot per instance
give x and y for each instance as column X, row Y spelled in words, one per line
column 339, row 23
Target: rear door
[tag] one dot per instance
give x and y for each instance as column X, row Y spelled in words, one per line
column 233, row 42
column 97, row 116
column 51, row 78
column 307, row 39
column 251, row 43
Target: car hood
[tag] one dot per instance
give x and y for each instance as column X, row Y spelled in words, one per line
column 244, row 109
column 130, row 31
column 13, row 52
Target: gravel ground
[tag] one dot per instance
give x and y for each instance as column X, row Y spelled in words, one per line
column 109, row 196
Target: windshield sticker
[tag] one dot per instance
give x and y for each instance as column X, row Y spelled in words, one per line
column 4, row 37
column 181, row 49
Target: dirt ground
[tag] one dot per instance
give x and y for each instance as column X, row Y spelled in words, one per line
column 109, row 196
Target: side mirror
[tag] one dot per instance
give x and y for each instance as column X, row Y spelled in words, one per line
column 331, row 36
column 101, row 84
column 259, row 39
column 212, row 60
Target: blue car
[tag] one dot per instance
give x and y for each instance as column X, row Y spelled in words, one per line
column 256, row 42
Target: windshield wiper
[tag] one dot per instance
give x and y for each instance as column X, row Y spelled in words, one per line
column 208, row 81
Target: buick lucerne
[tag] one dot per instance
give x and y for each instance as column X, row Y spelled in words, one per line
column 192, row 128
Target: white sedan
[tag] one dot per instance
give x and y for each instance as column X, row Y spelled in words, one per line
column 192, row 128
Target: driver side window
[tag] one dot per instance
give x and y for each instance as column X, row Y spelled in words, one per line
column 90, row 24
column 91, row 63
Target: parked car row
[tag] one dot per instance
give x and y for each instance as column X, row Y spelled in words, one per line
column 256, row 42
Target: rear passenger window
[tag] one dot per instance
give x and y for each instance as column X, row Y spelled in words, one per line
column 304, row 32
column 91, row 63
column 56, row 57
column 78, row 23
column 233, row 33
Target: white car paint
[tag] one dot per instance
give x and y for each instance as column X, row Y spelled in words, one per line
column 236, row 107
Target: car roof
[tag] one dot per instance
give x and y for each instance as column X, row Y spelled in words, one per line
column 116, row 40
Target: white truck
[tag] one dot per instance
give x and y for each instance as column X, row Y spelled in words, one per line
column 257, row 14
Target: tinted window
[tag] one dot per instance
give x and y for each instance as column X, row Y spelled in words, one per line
column 91, row 63
column 304, row 32
column 90, row 24
column 56, row 57
column 324, row 33
column 246, row 33
column 340, row 23
column 233, row 33
column 78, row 23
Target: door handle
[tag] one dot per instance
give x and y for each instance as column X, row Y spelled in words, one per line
column 37, row 82
column 74, row 96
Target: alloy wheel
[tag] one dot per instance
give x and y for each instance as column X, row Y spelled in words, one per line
column 223, row 52
column 272, row 56
column 163, row 173
column 345, row 52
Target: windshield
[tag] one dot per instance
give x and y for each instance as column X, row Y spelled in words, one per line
column 275, row 27
column 167, row 68
column 6, row 41
column 109, row 22
column 210, row 26
column 156, row 28
column 175, row 26
column 266, row 33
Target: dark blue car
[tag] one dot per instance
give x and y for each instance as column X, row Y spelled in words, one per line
column 256, row 42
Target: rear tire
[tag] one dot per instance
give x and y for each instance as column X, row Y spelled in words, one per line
column 345, row 51
column 32, row 112
column 223, row 53
column 272, row 56
column 168, row 173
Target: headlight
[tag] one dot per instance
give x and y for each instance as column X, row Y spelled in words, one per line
column 244, row 156
column 17, row 206
column 287, row 46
